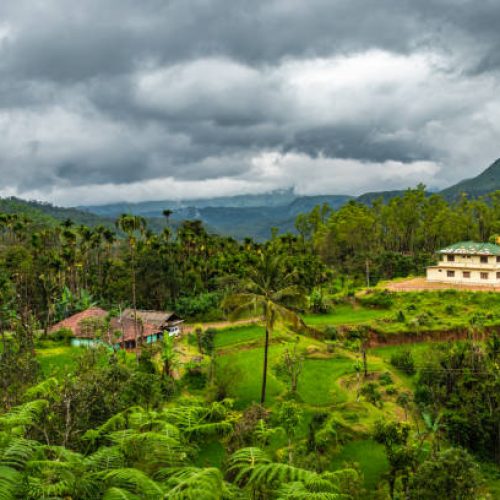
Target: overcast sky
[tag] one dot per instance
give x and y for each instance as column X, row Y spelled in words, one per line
column 110, row 100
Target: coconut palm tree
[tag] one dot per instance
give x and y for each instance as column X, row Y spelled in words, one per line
column 271, row 289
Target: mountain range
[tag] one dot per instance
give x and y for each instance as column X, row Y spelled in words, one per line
column 237, row 216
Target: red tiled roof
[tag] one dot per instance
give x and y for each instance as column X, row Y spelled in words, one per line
column 127, row 328
column 74, row 322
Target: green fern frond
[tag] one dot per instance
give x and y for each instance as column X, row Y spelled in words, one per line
column 195, row 483
column 17, row 452
column 9, row 483
column 24, row 415
column 105, row 458
column 119, row 494
column 134, row 481
column 44, row 389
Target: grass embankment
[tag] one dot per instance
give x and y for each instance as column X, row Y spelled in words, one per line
column 416, row 315
column 328, row 384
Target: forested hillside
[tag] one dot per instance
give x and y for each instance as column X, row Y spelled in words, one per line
column 314, row 398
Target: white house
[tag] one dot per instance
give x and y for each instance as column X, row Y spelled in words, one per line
column 467, row 263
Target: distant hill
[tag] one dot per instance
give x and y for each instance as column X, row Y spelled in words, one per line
column 155, row 208
column 236, row 216
column 484, row 183
column 46, row 213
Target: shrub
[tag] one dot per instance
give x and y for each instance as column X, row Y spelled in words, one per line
column 318, row 303
column 65, row 334
column 390, row 390
column 204, row 306
column 381, row 300
column 372, row 394
column 194, row 378
column 331, row 333
column 385, row 378
column 403, row 360
column 400, row 317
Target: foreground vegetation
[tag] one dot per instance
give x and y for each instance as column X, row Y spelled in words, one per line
column 107, row 427
column 315, row 399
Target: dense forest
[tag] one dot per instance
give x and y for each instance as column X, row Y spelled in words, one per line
column 178, row 421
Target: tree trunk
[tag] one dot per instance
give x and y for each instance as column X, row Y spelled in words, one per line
column 264, row 372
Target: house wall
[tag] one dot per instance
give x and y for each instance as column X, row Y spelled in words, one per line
column 439, row 274
column 470, row 261
column 77, row 342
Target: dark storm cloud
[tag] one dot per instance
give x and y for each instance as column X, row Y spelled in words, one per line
column 123, row 91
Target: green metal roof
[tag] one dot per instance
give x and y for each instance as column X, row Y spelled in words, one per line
column 472, row 248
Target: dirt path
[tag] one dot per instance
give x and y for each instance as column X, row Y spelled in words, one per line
column 188, row 328
column 422, row 285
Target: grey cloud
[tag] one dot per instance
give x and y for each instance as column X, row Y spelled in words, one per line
column 124, row 91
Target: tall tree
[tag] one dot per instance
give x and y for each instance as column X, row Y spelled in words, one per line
column 274, row 291
column 133, row 225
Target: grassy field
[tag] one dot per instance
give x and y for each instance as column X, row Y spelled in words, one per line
column 230, row 337
column 369, row 455
column 344, row 315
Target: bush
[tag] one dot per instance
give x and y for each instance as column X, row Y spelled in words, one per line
column 317, row 302
column 65, row 334
column 403, row 360
column 372, row 394
column 385, row 378
column 400, row 317
column 331, row 333
column 204, row 306
column 379, row 299
column 390, row 390
column 194, row 378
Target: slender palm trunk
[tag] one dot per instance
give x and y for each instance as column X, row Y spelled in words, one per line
column 264, row 371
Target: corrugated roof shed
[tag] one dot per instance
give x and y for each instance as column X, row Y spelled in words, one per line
column 157, row 318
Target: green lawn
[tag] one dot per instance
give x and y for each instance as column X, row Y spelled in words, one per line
column 58, row 359
column 318, row 381
column 369, row 455
column 229, row 337
column 344, row 315
column 246, row 367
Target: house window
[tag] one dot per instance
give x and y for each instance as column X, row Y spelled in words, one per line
column 484, row 276
column 498, row 258
column 450, row 274
column 466, row 274
column 484, row 259
column 498, row 276
column 451, row 258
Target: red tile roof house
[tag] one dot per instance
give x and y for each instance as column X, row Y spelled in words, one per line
column 122, row 332
column 78, row 324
